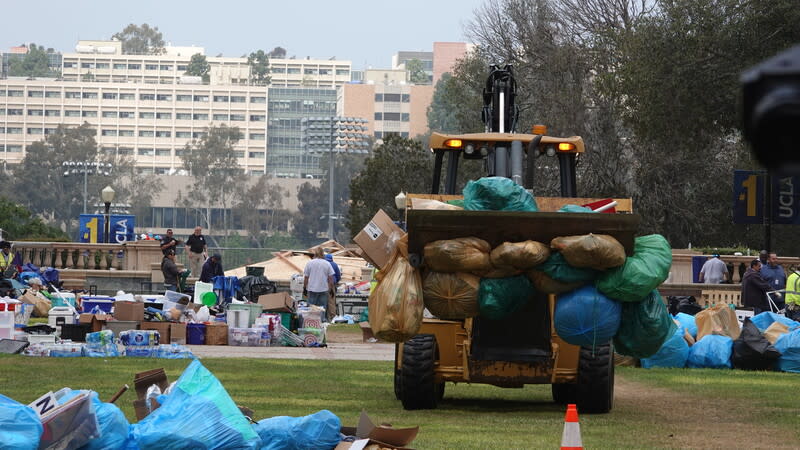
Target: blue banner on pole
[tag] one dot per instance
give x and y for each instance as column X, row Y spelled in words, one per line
column 121, row 228
column 91, row 228
column 748, row 197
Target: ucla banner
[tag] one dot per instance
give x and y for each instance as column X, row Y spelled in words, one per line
column 121, row 228
column 91, row 228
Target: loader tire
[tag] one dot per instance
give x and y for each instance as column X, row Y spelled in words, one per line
column 595, row 388
column 419, row 389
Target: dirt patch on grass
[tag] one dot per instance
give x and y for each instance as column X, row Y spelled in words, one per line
column 688, row 422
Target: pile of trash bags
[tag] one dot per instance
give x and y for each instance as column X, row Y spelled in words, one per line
column 714, row 338
column 194, row 412
column 603, row 294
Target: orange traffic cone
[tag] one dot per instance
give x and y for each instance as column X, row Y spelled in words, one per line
column 571, row 439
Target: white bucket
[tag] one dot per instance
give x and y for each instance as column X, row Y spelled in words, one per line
column 238, row 318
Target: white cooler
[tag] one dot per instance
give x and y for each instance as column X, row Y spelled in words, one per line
column 59, row 316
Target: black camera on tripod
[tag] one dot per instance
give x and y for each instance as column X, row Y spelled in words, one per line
column 771, row 103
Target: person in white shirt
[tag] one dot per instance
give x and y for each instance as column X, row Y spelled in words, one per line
column 318, row 280
column 714, row 271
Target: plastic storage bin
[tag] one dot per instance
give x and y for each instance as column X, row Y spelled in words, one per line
column 196, row 334
column 41, row 338
column 7, row 325
column 245, row 337
column 254, row 310
column 176, row 297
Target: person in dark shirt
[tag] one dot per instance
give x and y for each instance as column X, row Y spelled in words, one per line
column 170, row 271
column 212, row 268
column 337, row 274
column 754, row 288
column 196, row 250
column 169, row 243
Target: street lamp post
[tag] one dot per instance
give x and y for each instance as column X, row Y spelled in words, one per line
column 107, row 195
column 86, row 168
column 334, row 135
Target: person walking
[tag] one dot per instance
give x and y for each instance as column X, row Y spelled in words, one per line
column 212, row 268
column 318, row 281
column 792, row 296
column 170, row 271
column 775, row 276
column 754, row 289
column 196, row 250
column 714, row 271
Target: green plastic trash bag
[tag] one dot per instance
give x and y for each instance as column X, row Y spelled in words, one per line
column 199, row 414
column 456, row 202
column 497, row 194
column 556, row 267
column 499, row 297
column 644, row 328
column 644, row 271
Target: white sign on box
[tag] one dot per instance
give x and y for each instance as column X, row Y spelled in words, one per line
column 373, row 231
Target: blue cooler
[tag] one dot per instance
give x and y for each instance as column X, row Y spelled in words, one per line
column 104, row 303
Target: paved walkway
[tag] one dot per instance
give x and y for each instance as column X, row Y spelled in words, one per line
column 358, row 352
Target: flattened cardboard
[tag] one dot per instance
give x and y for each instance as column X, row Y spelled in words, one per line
column 280, row 302
column 129, row 311
column 384, row 435
column 373, row 239
column 95, row 320
column 162, row 328
column 143, row 380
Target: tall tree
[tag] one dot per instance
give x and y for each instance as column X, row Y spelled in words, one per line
column 277, row 53
column 313, row 212
column 17, row 223
column 260, row 207
column 61, row 202
column 259, row 67
column 140, row 40
column 416, row 72
column 32, row 64
column 212, row 161
column 308, row 221
column 198, row 67
column 399, row 164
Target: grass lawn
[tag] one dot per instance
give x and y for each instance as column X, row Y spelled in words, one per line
column 471, row 416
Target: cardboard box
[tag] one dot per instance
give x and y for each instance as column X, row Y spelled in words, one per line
column 97, row 321
column 383, row 435
column 161, row 327
column 374, row 238
column 217, row 334
column 142, row 381
column 278, row 302
column 177, row 333
column 366, row 331
column 129, row 311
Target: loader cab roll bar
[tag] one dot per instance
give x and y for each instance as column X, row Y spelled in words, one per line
column 510, row 155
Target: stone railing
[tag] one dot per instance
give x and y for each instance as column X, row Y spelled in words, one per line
column 71, row 255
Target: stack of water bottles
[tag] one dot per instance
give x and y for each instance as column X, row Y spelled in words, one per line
column 141, row 343
column 100, row 344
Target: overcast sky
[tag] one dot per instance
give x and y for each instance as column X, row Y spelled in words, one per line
column 367, row 33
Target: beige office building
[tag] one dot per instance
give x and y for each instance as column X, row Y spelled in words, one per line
column 103, row 61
